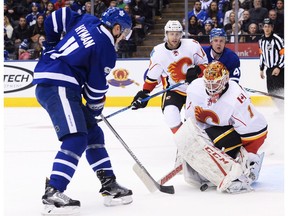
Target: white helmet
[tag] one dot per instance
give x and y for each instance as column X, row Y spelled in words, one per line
column 216, row 76
column 173, row 25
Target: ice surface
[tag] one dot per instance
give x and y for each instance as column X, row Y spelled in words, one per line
column 30, row 145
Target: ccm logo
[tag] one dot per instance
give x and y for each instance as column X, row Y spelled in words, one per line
column 214, row 154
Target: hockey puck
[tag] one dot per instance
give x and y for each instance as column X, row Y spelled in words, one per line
column 204, row 187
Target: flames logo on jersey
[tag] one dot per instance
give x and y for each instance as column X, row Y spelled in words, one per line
column 202, row 115
column 175, row 69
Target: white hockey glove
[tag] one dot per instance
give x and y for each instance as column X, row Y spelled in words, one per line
column 251, row 164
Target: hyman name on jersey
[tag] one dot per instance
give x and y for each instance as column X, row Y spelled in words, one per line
column 85, row 36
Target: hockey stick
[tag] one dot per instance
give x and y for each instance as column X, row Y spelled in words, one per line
column 171, row 174
column 264, row 93
column 142, row 172
column 143, row 100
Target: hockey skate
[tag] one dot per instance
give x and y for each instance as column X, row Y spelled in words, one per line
column 113, row 193
column 58, row 204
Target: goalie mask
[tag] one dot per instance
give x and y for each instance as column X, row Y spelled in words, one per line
column 216, row 77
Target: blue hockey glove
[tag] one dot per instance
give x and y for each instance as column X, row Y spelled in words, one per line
column 47, row 46
column 96, row 108
column 136, row 103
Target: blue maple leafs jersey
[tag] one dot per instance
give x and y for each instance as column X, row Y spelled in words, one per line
column 81, row 59
column 229, row 59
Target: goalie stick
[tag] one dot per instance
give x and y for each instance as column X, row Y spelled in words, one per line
column 138, row 167
column 143, row 100
column 264, row 93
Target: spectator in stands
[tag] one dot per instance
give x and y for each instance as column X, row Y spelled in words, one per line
column 88, row 7
column 120, row 4
column 39, row 47
column 258, row 13
column 253, row 33
column 198, row 12
column 32, row 17
column 214, row 12
column 78, row 6
column 227, row 13
column 113, row 3
column 278, row 22
column 9, row 13
column 246, row 21
column 36, row 30
column 8, row 44
column 215, row 22
column 228, row 26
column 223, row 5
column 99, row 8
column 8, row 28
column 194, row 28
column 240, row 33
column 23, row 53
column 142, row 14
column 205, row 4
column 43, row 6
column 59, row 4
column 20, row 33
column 280, row 7
column 204, row 35
column 50, row 9
column 67, row 3
column 246, row 4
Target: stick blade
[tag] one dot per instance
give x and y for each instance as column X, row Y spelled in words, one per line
column 150, row 183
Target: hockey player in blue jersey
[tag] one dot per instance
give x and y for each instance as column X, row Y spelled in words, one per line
column 79, row 54
column 218, row 52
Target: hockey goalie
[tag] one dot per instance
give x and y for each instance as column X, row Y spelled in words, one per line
column 222, row 134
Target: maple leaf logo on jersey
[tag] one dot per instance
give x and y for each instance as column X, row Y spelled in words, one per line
column 175, row 69
column 202, row 115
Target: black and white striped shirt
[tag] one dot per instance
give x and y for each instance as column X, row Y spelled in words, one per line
column 271, row 51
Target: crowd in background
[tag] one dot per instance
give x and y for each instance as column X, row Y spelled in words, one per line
column 208, row 14
column 24, row 21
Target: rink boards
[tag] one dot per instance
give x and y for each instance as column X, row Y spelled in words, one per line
column 125, row 80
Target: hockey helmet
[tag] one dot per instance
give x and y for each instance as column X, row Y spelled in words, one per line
column 113, row 16
column 173, row 25
column 217, row 32
column 216, row 76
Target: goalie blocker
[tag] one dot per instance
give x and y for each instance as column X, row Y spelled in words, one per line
column 207, row 163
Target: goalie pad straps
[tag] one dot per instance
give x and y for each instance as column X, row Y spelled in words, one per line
column 196, row 149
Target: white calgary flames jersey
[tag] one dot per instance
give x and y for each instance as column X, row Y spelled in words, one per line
column 232, row 108
column 171, row 65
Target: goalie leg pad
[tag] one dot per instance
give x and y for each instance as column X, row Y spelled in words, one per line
column 192, row 177
column 203, row 157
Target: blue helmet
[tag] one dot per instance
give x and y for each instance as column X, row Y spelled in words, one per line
column 217, row 32
column 114, row 15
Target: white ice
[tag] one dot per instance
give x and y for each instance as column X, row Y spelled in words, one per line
column 31, row 144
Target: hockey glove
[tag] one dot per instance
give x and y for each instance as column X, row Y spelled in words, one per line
column 96, row 108
column 193, row 72
column 136, row 103
column 47, row 46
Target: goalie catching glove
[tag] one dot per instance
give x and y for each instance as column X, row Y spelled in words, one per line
column 137, row 103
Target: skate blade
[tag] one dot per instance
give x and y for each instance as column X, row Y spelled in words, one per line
column 51, row 210
column 111, row 201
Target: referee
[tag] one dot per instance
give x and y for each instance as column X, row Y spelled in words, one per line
column 272, row 57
